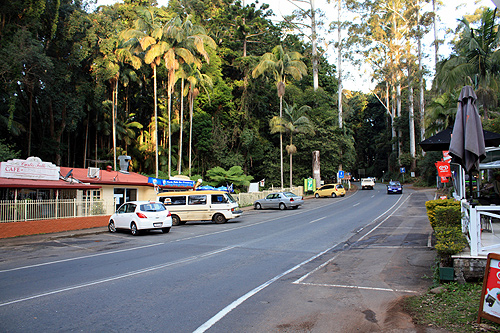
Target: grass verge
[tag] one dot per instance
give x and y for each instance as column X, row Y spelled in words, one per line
column 454, row 309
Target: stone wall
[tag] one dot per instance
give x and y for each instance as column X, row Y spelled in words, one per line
column 469, row 269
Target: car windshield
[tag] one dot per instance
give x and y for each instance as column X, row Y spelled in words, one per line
column 152, row 207
column 230, row 198
column 290, row 194
column 394, row 183
column 340, row 186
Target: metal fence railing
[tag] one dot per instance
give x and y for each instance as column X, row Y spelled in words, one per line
column 29, row 210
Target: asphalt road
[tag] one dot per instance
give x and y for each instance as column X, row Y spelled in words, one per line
column 333, row 265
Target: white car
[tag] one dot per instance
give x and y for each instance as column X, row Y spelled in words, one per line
column 367, row 183
column 137, row 216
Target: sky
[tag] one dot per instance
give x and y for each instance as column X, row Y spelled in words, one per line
column 354, row 77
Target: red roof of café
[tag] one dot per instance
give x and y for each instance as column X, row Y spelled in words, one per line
column 31, row 183
column 80, row 174
column 107, row 177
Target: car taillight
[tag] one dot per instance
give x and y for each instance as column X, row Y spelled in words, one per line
column 291, row 199
column 169, row 214
column 141, row 215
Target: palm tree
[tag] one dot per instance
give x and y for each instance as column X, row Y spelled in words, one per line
column 476, row 61
column 185, row 39
column 294, row 121
column 441, row 112
column 280, row 64
column 193, row 76
column 146, row 39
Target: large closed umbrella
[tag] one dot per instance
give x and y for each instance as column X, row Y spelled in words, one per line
column 467, row 145
column 467, row 139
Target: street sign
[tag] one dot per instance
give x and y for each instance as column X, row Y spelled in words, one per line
column 402, row 170
column 341, row 174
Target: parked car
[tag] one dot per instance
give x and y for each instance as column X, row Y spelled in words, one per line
column 367, row 183
column 138, row 216
column 394, row 187
column 204, row 205
column 281, row 200
column 330, row 190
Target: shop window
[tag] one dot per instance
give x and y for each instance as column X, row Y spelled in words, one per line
column 124, row 195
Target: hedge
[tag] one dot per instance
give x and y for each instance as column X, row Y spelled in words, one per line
column 448, row 214
column 449, row 240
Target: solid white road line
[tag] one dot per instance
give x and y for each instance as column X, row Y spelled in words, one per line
column 373, row 229
column 221, row 314
column 359, row 287
column 78, row 258
column 113, row 278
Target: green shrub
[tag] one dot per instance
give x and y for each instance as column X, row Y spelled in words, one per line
column 447, row 216
column 449, row 240
column 431, row 208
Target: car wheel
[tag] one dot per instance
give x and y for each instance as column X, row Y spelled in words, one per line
column 219, row 218
column 133, row 229
column 316, row 195
column 258, row 206
column 176, row 220
column 282, row 206
column 165, row 230
column 111, row 226
column 334, row 195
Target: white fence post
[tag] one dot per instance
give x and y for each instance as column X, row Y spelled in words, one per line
column 475, row 232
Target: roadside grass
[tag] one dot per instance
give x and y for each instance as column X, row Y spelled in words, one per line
column 454, row 309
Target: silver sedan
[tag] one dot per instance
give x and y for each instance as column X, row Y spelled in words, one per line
column 281, row 200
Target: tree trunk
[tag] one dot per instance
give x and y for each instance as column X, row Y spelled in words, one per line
column 281, row 142
column 314, row 46
column 30, row 121
column 113, row 116
column 86, row 142
column 339, row 67
column 421, row 83
column 398, row 101
column 290, row 153
column 190, row 128
column 156, row 126
column 436, row 44
column 179, row 164
column 411, row 121
column 316, row 167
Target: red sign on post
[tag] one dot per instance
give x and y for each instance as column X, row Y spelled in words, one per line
column 443, row 169
column 490, row 297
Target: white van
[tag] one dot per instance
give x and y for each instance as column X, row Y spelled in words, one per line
column 206, row 205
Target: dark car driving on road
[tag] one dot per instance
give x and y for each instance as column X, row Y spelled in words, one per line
column 394, row 187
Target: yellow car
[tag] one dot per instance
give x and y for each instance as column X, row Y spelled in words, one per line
column 330, row 190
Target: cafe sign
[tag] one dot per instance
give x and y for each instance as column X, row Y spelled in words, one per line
column 31, row 168
column 489, row 306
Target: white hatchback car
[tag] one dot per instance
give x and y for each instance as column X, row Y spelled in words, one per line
column 141, row 215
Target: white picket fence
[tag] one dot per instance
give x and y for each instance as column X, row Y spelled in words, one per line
column 29, row 210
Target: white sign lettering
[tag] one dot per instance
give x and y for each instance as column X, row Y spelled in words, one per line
column 31, row 168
